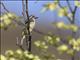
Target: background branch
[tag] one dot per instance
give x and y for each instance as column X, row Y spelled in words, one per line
column 69, row 6
column 65, row 11
column 4, row 7
column 74, row 13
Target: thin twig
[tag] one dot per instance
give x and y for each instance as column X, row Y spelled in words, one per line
column 23, row 10
column 69, row 6
column 74, row 13
column 62, row 8
column 4, row 7
column 28, row 28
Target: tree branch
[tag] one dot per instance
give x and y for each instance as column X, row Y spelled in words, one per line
column 23, row 9
column 4, row 7
column 74, row 13
column 69, row 6
column 62, row 8
column 28, row 28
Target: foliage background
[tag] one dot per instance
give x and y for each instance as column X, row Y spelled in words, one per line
column 51, row 16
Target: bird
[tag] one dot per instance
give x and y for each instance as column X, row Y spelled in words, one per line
column 32, row 23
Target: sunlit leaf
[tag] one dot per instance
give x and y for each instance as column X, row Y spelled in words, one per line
column 2, row 57
column 48, row 38
column 52, row 40
column 70, row 15
column 72, row 41
column 77, row 3
column 37, row 43
column 31, row 56
column 19, row 55
column 49, row 6
column 12, row 58
column 63, row 48
column 52, row 6
column 58, row 39
column 78, row 41
column 10, row 15
column 9, row 53
column 41, row 44
column 73, row 27
column 4, row 17
column 60, row 25
column 62, row 12
column 70, row 52
column 75, row 44
column 1, row 25
column 19, row 51
column 7, row 21
column 36, row 58
column 77, row 48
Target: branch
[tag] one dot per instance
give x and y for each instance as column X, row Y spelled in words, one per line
column 74, row 13
column 28, row 28
column 27, row 11
column 4, row 6
column 69, row 6
column 60, row 4
column 23, row 9
column 62, row 8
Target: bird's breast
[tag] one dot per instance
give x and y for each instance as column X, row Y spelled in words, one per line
column 32, row 25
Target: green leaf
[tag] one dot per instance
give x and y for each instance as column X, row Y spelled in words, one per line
column 62, row 48
column 9, row 53
column 77, row 3
column 49, row 6
column 2, row 57
column 63, row 12
column 75, row 44
column 74, row 28
column 41, row 44
column 70, row 52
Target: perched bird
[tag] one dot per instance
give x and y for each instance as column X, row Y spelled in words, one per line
column 8, row 18
column 32, row 19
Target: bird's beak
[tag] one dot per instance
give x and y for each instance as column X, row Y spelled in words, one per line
column 36, row 17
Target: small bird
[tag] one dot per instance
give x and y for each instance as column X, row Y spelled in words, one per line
column 32, row 19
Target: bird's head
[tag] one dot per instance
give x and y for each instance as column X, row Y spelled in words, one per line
column 33, row 17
